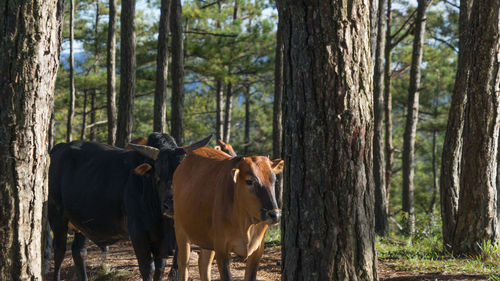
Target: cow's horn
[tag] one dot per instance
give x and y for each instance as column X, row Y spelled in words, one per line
column 148, row 151
column 199, row 144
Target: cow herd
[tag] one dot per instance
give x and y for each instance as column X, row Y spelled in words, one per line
column 219, row 201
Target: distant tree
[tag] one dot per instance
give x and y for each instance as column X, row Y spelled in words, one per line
column 29, row 58
column 452, row 147
column 177, row 72
column 389, row 150
column 478, row 213
column 247, row 120
column 412, row 118
column 71, row 108
column 328, row 226
column 111, row 73
column 93, row 93
column 219, row 114
column 160, row 101
column 84, row 115
column 277, row 107
column 127, row 73
column 228, row 112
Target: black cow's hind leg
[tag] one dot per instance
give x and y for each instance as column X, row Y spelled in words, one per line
column 173, row 275
column 79, row 251
column 143, row 254
column 60, row 230
column 159, row 268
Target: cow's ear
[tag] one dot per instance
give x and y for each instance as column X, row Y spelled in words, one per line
column 277, row 166
column 235, row 173
column 142, row 169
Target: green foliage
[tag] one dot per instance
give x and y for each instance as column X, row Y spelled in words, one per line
column 108, row 273
column 273, row 235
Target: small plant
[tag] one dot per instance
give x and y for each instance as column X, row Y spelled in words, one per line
column 273, row 235
column 490, row 252
column 106, row 273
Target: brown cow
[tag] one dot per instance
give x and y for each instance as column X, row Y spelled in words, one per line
column 225, row 147
column 224, row 204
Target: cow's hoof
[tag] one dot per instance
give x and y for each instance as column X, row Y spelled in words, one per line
column 173, row 275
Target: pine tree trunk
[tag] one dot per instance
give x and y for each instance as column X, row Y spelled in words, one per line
column 71, row 109
column 278, row 109
column 412, row 118
column 84, row 116
column 452, row 146
column 328, row 200
column 434, row 174
column 177, row 72
column 92, row 134
column 227, row 113
column 127, row 74
column 247, row 122
column 160, row 102
column 477, row 204
column 111, row 75
column 29, row 50
column 381, row 226
column 389, row 151
column 219, row 128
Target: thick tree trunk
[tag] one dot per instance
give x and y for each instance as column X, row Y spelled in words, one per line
column 219, row 99
column 477, row 204
column 29, row 59
column 160, row 103
column 84, row 116
column 381, row 226
column 71, row 109
column 227, row 113
column 412, row 118
column 127, row 74
column 278, row 109
column 111, row 76
column 247, row 122
column 389, row 151
column 177, row 72
column 452, row 146
column 93, row 110
column 328, row 201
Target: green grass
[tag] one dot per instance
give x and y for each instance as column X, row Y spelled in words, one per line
column 273, row 235
column 107, row 273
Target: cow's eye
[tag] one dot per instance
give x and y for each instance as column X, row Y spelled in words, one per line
column 249, row 182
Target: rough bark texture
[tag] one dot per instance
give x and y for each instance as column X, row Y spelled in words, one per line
column 412, row 118
column 389, row 151
column 127, row 74
column 177, row 73
column 29, row 49
column 452, row 146
column 227, row 112
column 277, row 109
column 71, row 108
column 434, row 174
column 160, row 102
column 328, row 226
column 219, row 99
column 477, row 203
column 111, row 76
column 381, row 226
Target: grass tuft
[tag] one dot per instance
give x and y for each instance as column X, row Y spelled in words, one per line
column 107, row 273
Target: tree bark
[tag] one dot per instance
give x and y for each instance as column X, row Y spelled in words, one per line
column 127, row 74
column 84, row 116
column 412, row 118
column 227, row 113
column 177, row 73
column 247, row 121
column 389, row 151
column 219, row 128
column 92, row 134
column 160, row 101
column 328, row 200
column 477, row 219
column 278, row 109
column 111, row 75
column 434, row 173
column 71, row 109
column 381, row 226
column 29, row 50
column 452, row 146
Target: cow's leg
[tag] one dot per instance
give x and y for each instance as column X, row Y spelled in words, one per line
column 143, row 253
column 205, row 264
column 159, row 263
column 183, row 252
column 253, row 263
column 79, row 252
column 173, row 275
column 60, row 230
column 222, row 258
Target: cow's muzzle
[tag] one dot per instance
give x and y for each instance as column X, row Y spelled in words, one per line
column 273, row 216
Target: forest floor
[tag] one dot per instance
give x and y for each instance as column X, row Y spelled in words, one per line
column 121, row 264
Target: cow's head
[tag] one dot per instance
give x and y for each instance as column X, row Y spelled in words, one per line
column 165, row 162
column 225, row 147
column 254, row 179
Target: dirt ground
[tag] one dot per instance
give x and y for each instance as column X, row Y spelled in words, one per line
column 121, row 257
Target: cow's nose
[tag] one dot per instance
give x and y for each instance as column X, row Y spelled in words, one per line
column 274, row 215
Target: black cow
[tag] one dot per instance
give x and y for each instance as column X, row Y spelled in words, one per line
column 109, row 194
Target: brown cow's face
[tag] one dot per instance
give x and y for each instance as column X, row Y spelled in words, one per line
column 254, row 180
